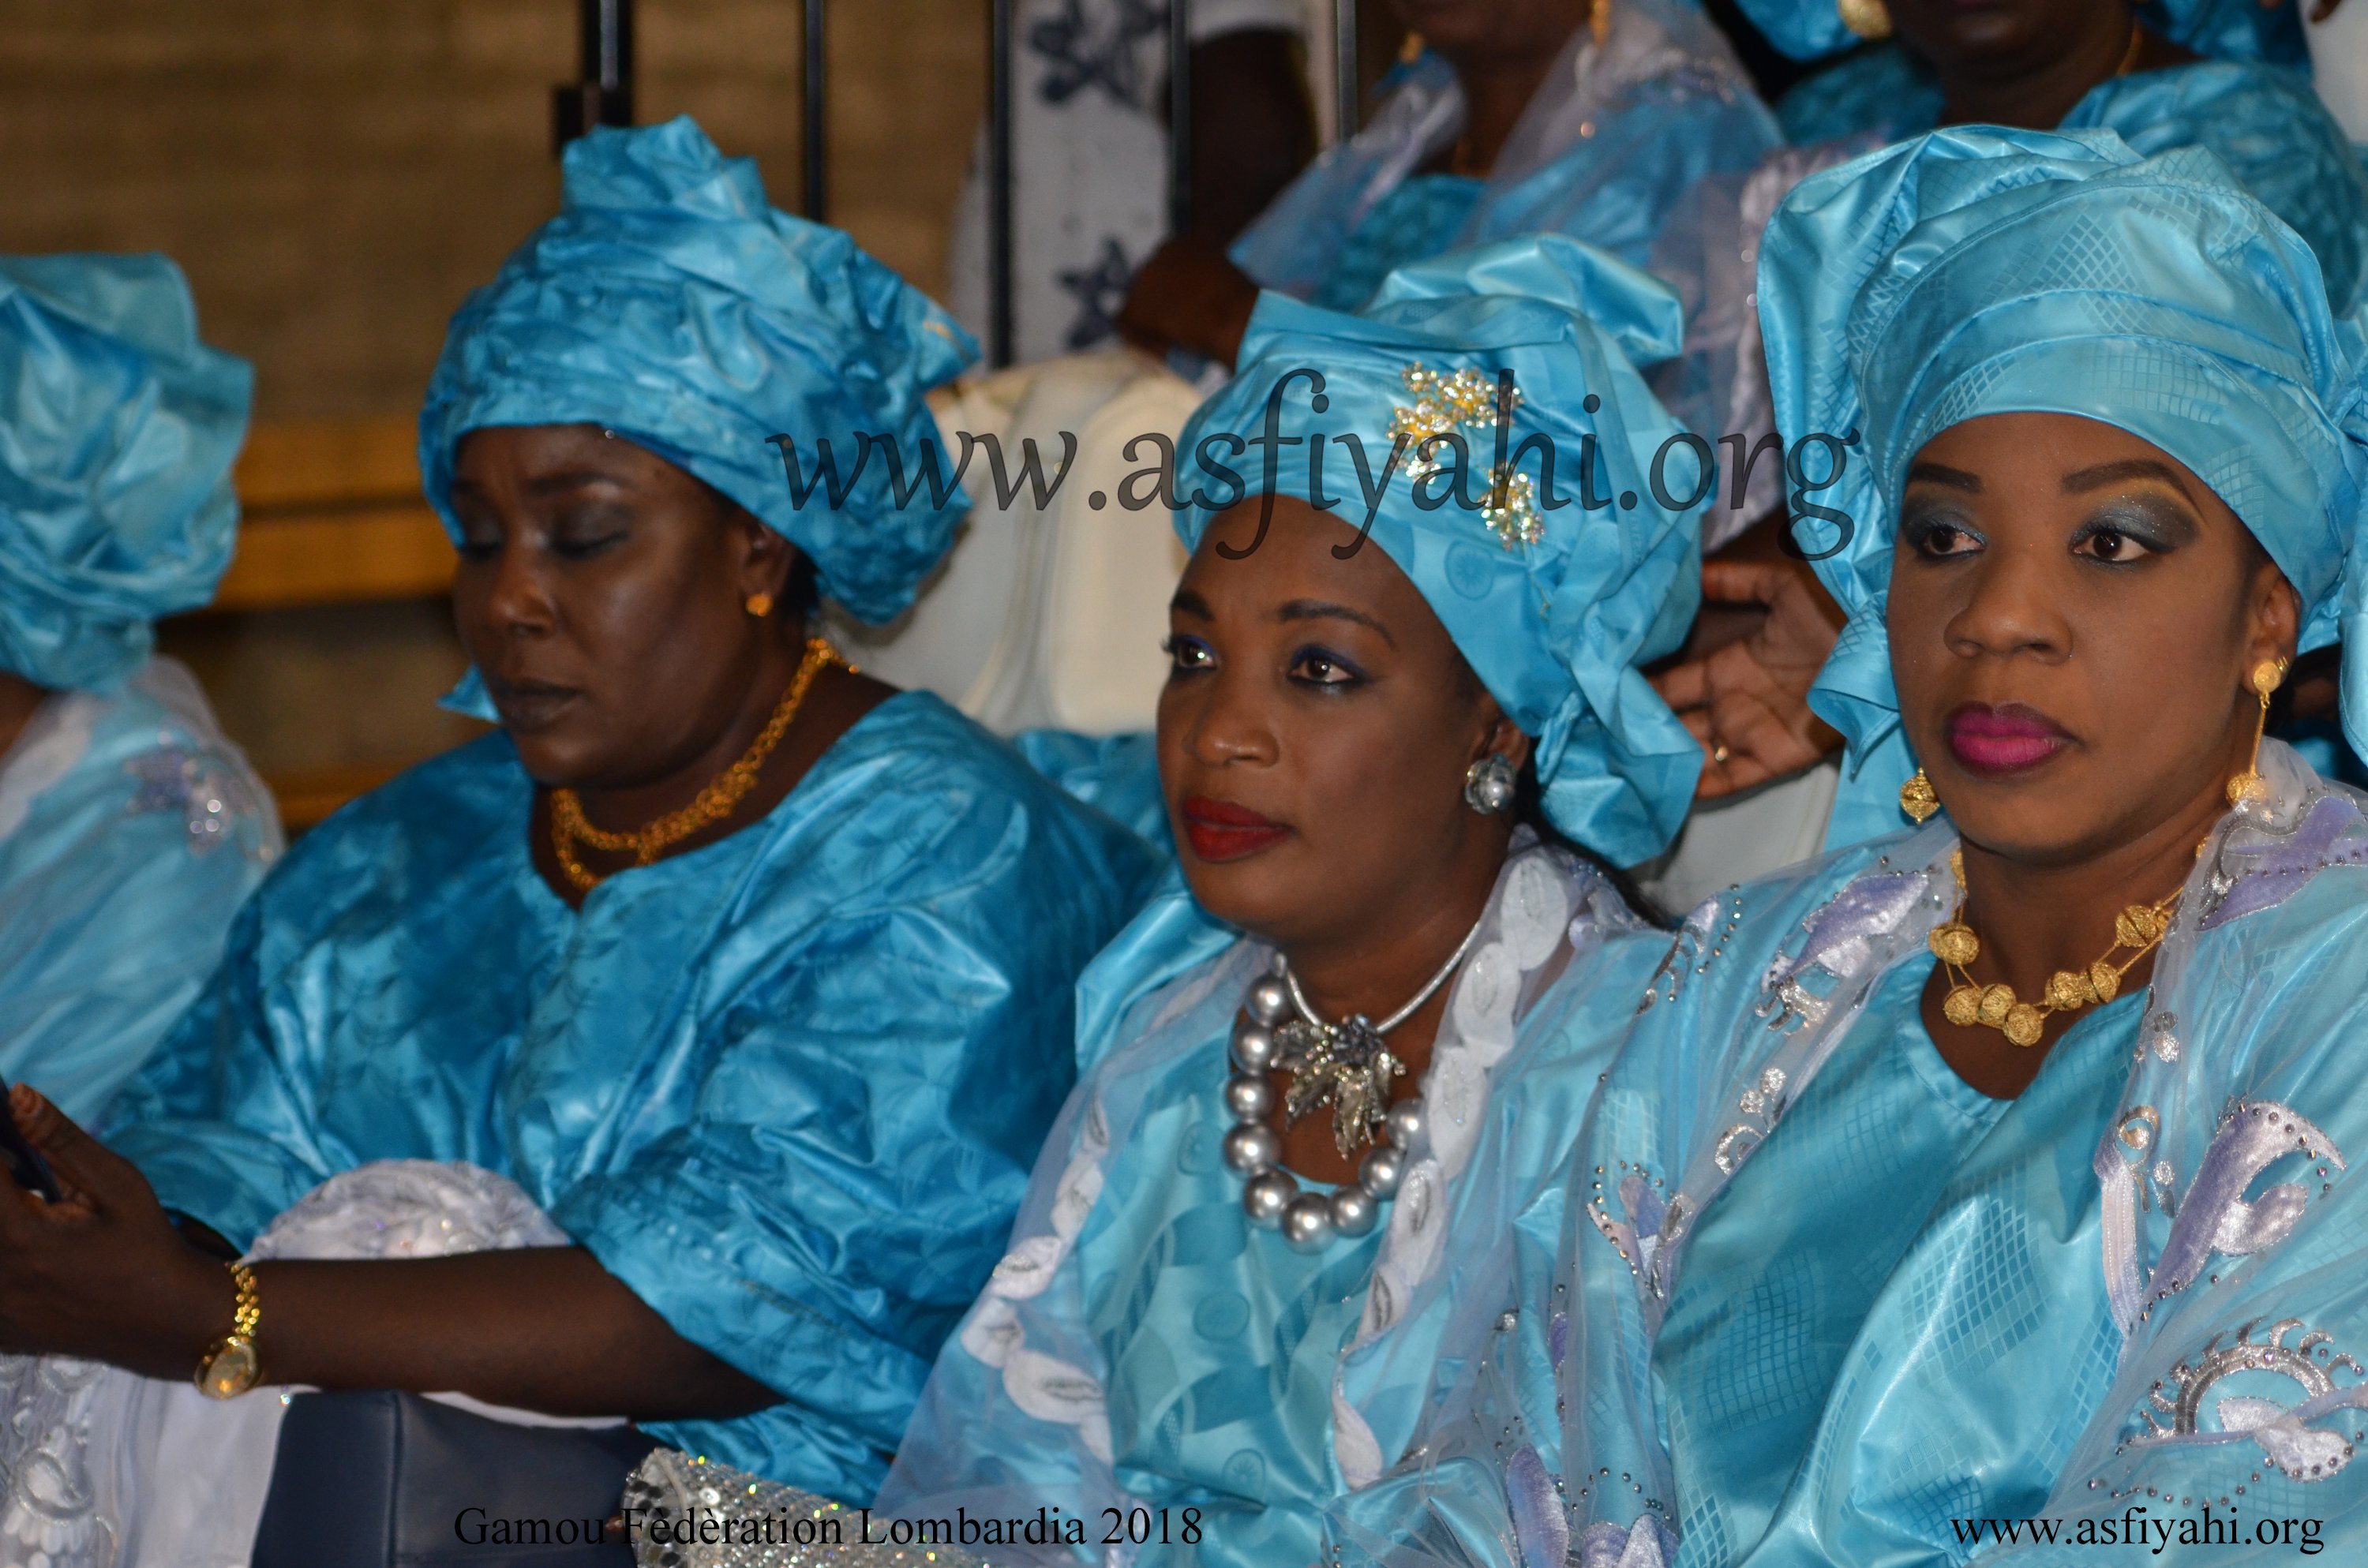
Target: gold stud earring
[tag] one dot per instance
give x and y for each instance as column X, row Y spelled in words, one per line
column 1917, row 799
column 2249, row 786
column 1867, row 18
column 760, row 604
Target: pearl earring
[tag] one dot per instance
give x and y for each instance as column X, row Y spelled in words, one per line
column 1488, row 785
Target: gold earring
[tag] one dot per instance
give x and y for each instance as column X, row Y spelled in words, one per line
column 2249, row 786
column 1917, row 800
column 1867, row 18
column 760, row 604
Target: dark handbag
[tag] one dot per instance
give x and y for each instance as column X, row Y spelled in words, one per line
column 381, row 1479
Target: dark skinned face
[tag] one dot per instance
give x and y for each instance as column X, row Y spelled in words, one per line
column 1993, row 36
column 2073, row 621
column 601, row 593
column 1479, row 31
column 1314, row 733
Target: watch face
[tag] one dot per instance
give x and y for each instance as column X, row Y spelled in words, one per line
column 233, row 1370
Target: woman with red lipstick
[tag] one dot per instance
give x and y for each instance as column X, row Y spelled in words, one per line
column 1393, row 758
column 1997, row 1170
column 716, row 1005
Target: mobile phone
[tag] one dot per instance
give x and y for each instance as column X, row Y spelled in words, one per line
column 24, row 1161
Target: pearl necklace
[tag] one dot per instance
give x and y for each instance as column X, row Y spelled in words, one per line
column 1345, row 1065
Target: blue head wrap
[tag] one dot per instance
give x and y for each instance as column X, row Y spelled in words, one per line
column 2218, row 30
column 1553, row 608
column 118, row 428
column 669, row 303
column 1975, row 272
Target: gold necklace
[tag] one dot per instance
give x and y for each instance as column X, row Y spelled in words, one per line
column 716, row 802
column 2139, row 927
column 2130, row 53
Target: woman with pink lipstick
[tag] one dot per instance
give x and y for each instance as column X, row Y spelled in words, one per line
column 1398, row 762
column 1997, row 1170
column 715, row 1006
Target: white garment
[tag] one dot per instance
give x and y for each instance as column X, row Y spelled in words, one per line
column 1090, row 163
column 101, row 1468
column 1744, row 837
column 1050, row 617
column 2338, row 65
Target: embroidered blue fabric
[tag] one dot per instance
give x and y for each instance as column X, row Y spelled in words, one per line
column 2263, row 121
column 786, row 1086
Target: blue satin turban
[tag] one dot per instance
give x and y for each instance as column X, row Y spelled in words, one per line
column 1555, row 608
column 668, row 301
column 118, row 428
column 1983, row 271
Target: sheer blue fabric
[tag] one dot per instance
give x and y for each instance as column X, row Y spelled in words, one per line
column 1611, row 146
column 118, row 428
column 130, row 830
column 2263, row 122
column 786, row 1086
column 670, row 303
column 2133, row 1294
column 1615, row 137
column 1975, row 272
column 1555, row 607
column 1143, row 1344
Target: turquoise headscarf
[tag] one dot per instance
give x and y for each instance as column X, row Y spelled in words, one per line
column 1975, row 272
column 1555, row 608
column 2218, row 30
column 669, row 303
column 118, row 429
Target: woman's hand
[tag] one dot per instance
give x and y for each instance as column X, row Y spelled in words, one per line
column 101, row 1274
column 1748, row 702
column 1189, row 295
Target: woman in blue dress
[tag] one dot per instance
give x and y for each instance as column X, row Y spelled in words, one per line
column 729, row 990
column 1995, row 1171
column 130, row 830
column 2210, row 73
column 1379, row 750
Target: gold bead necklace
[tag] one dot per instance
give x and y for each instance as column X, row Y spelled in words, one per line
column 2139, row 927
column 716, row 802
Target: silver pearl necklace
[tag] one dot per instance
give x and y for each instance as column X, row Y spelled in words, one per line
column 1345, row 1065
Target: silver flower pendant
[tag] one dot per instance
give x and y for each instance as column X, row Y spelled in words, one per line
column 1344, row 1065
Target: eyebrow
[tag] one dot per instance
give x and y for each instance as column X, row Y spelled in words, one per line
column 546, row 484
column 2129, row 468
column 568, row 479
column 1323, row 609
column 1187, row 602
column 1940, row 473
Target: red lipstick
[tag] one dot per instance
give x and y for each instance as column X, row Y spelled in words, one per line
column 2011, row 738
column 1220, row 831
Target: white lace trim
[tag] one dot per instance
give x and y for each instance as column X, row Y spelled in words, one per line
column 98, row 1466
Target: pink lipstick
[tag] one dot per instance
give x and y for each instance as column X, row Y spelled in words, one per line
column 2009, row 739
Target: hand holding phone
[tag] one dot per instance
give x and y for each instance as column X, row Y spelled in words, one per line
column 24, row 1163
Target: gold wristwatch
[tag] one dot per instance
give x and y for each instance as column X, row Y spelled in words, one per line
column 231, row 1367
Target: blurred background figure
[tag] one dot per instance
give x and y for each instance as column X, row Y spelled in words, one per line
column 1090, row 156
column 129, row 828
